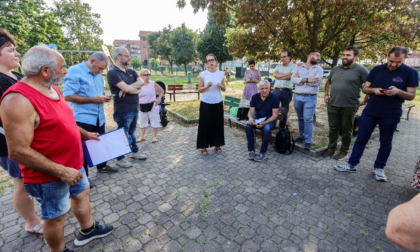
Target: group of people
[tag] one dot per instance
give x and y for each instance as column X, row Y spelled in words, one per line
column 43, row 149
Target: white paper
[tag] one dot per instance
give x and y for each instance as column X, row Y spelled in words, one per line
column 257, row 121
column 112, row 145
column 1, row 130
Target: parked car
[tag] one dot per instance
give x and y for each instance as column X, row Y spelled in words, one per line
column 327, row 73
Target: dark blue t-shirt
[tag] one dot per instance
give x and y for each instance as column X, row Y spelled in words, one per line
column 130, row 102
column 264, row 108
column 382, row 77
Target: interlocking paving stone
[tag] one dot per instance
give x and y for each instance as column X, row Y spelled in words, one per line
column 178, row 199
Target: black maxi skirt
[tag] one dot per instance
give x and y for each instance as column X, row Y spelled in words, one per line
column 210, row 126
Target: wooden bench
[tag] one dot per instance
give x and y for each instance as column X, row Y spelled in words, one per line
column 409, row 106
column 172, row 90
column 236, row 102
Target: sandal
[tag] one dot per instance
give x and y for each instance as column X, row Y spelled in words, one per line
column 154, row 140
column 140, row 139
column 218, row 150
column 36, row 229
column 204, row 152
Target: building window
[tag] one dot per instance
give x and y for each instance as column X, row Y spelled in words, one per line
column 144, row 39
column 144, row 46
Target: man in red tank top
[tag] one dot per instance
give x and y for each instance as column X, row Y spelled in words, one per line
column 42, row 136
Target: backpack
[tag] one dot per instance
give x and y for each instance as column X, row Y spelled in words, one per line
column 243, row 113
column 233, row 111
column 284, row 141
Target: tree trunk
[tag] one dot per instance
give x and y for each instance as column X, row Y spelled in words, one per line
column 172, row 66
column 220, row 66
column 185, row 66
column 335, row 58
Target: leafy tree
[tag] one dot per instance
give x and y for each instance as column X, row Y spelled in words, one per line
column 82, row 27
column 154, row 62
column 135, row 62
column 213, row 40
column 183, row 42
column 30, row 23
column 160, row 43
column 262, row 30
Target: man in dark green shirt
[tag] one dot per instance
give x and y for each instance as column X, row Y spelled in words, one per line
column 346, row 82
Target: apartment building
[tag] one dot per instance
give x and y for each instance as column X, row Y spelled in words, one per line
column 133, row 46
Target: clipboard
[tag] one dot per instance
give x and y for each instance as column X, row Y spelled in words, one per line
column 113, row 144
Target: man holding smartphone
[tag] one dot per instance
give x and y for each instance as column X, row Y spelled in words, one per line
column 84, row 90
column 388, row 85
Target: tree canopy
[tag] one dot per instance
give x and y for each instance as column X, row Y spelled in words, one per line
column 183, row 46
column 82, row 28
column 161, row 45
column 213, row 40
column 30, row 23
column 135, row 62
column 262, row 30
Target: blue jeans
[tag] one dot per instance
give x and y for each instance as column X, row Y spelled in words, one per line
column 54, row 196
column 128, row 121
column 285, row 97
column 266, row 130
column 11, row 167
column 305, row 107
column 387, row 127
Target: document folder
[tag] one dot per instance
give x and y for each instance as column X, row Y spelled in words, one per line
column 112, row 145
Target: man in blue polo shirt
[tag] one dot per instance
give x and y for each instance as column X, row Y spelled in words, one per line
column 388, row 85
column 125, row 85
column 84, row 90
column 265, row 105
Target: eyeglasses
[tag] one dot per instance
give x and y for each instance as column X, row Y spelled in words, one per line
column 210, row 60
column 147, row 75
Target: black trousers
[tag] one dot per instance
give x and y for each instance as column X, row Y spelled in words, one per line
column 92, row 128
column 210, row 125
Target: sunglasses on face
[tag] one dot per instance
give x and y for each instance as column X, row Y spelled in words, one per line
column 147, row 75
column 210, row 60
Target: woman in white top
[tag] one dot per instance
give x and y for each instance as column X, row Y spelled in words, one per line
column 149, row 109
column 211, row 119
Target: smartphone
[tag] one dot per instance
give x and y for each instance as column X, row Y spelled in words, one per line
column 112, row 95
column 383, row 90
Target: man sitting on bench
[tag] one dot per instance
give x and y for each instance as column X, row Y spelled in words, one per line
column 265, row 106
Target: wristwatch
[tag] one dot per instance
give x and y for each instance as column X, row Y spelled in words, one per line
column 326, row 95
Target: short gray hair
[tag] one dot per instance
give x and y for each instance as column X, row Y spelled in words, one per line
column 118, row 51
column 99, row 57
column 37, row 57
column 263, row 82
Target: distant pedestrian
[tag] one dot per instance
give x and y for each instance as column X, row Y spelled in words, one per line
column 252, row 77
column 307, row 78
column 283, row 87
column 75, row 63
column 83, row 89
column 211, row 119
column 227, row 74
column 388, row 85
column 346, row 83
column 23, row 203
column 149, row 105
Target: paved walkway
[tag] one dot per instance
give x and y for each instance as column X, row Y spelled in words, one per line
column 179, row 200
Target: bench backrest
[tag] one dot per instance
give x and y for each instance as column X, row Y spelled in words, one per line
column 175, row 87
column 231, row 101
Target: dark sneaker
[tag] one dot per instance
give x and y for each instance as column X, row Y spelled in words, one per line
column 98, row 232
column 251, row 155
column 380, row 175
column 346, row 168
column 108, row 169
column 260, row 157
column 67, row 250
column 340, row 156
column 328, row 154
column 308, row 146
column 299, row 140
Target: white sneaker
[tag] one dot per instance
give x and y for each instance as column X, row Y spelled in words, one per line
column 124, row 163
column 138, row 156
column 380, row 175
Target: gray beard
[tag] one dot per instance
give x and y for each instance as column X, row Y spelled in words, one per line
column 54, row 80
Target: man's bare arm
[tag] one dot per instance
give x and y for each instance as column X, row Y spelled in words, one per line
column 403, row 227
column 133, row 88
column 273, row 118
column 18, row 116
column 408, row 96
column 83, row 100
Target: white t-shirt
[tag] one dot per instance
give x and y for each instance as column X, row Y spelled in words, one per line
column 212, row 95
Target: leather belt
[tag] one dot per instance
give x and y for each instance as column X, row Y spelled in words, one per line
column 305, row 94
column 283, row 88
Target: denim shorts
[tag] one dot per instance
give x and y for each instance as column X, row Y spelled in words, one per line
column 11, row 167
column 54, row 196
